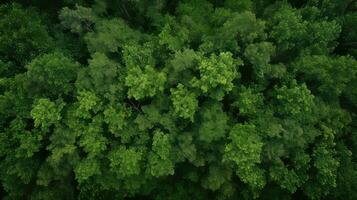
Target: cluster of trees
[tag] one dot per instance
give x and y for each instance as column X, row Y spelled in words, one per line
column 178, row 99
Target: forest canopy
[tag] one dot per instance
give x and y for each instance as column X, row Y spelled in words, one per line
column 178, row 99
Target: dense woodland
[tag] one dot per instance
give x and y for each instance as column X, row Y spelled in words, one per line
column 178, row 99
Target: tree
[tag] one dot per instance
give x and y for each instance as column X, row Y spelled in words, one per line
column 23, row 36
column 180, row 99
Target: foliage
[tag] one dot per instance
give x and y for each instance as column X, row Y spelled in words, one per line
column 21, row 39
column 184, row 102
column 183, row 99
